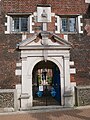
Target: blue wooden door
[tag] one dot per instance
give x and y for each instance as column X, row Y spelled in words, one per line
column 56, row 81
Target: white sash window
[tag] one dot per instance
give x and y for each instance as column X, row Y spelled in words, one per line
column 19, row 23
column 68, row 24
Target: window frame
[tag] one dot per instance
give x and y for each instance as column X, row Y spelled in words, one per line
column 9, row 23
column 19, row 23
column 68, row 17
column 78, row 24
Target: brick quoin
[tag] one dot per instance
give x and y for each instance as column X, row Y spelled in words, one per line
column 80, row 52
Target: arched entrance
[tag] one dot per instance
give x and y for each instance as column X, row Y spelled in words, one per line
column 46, row 84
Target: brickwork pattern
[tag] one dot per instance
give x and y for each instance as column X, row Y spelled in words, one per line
column 62, row 6
column 80, row 53
column 9, row 57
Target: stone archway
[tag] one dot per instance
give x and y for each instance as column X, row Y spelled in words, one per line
column 46, row 87
column 58, row 54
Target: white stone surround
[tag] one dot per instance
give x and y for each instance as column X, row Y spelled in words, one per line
column 31, row 56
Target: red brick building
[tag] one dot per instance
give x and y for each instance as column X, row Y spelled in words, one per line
column 18, row 21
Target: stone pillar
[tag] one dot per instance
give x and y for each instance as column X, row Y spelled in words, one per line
column 67, row 73
column 25, row 88
column 62, row 89
column 44, row 26
column 68, row 101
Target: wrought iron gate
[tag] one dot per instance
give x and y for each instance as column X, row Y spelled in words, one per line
column 47, row 93
column 45, row 96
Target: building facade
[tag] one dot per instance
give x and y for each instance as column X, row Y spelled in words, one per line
column 45, row 52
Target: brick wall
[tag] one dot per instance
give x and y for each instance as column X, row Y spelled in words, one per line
column 58, row 6
column 9, row 57
column 80, row 53
column 68, row 7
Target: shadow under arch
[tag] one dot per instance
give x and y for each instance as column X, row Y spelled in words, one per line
column 46, row 85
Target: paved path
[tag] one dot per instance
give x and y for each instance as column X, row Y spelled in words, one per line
column 76, row 114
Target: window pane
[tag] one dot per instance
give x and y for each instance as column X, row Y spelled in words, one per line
column 72, row 24
column 16, row 24
column 68, row 24
column 20, row 24
column 24, row 24
column 64, row 24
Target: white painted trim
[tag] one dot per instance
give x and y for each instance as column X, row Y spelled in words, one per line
column 87, row 1
column 57, row 24
column 66, row 37
column 31, row 23
column 80, row 24
column 18, row 72
column 18, row 64
column 5, row 24
column 24, row 36
column 52, row 14
column 72, row 70
column 8, row 24
column 71, row 63
column 35, row 16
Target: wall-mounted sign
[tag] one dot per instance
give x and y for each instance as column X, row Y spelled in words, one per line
column 43, row 13
column 40, row 88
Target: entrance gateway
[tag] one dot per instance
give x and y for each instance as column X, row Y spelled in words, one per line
column 45, row 66
column 46, row 84
column 52, row 60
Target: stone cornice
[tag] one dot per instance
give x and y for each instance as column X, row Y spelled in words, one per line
column 44, row 47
